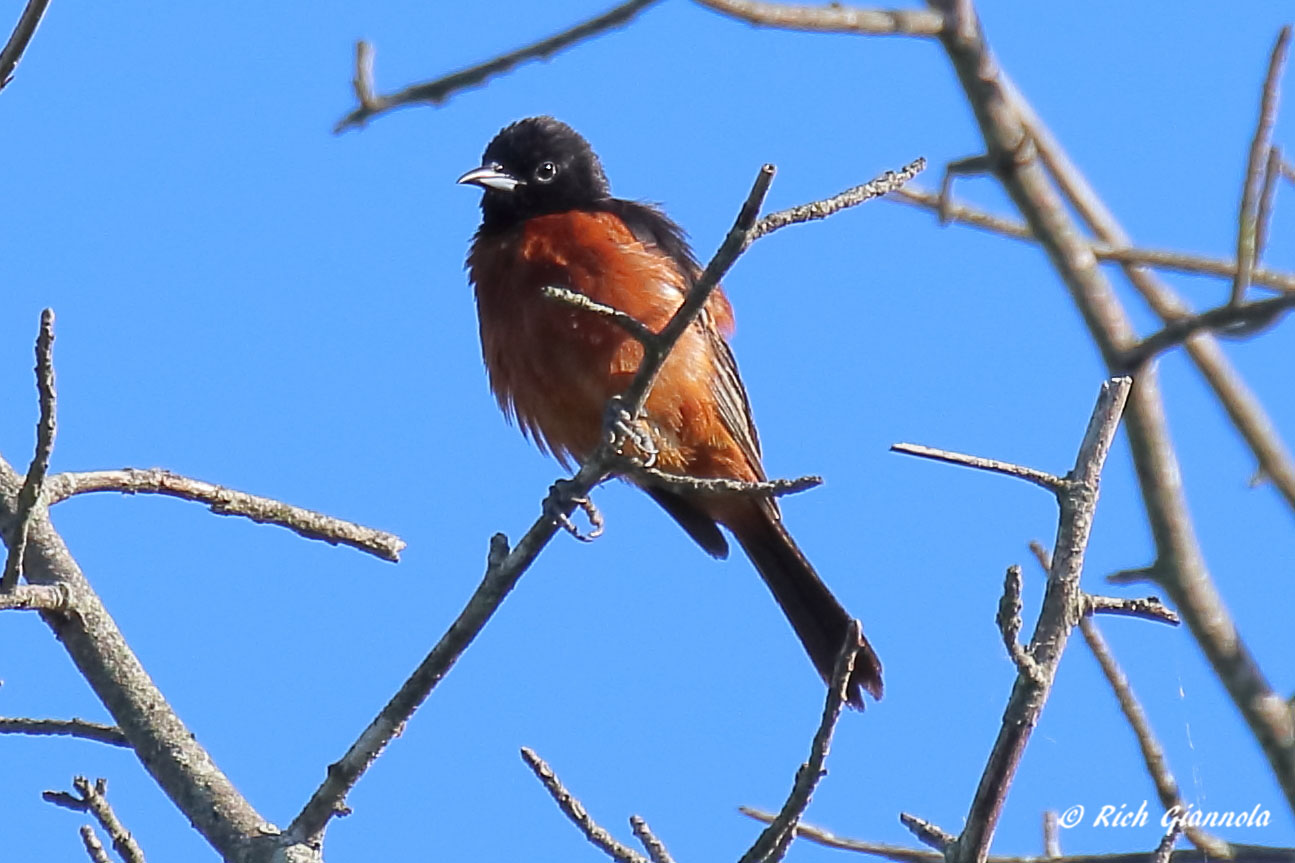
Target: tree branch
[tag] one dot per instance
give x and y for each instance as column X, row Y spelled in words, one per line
column 574, row 810
column 94, row 799
column 832, row 18
column 772, row 843
column 1251, row 188
column 82, row 728
column 438, row 91
column 20, row 39
column 1055, row 484
column 29, row 496
column 226, row 501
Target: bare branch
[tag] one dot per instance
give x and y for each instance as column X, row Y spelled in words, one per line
column 1051, row 837
column 1009, row 622
column 438, row 91
column 1248, row 220
column 1062, row 604
column 36, row 597
column 574, row 810
column 1182, row 262
column 897, row 853
column 772, row 843
column 655, row 847
column 832, row 18
column 885, row 184
column 20, row 39
column 94, row 799
column 1263, row 218
column 93, row 847
column 630, row 324
column 82, row 728
column 1245, row 319
column 164, row 745
column 928, row 833
column 29, row 496
column 700, row 485
column 1148, row 608
column 227, row 501
column 1055, row 484
column 1165, row 849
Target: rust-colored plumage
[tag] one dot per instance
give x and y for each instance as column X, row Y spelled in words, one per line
column 549, row 220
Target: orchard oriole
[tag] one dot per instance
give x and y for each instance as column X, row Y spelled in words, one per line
column 549, row 219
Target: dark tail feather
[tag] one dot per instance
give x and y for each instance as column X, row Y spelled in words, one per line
column 819, row 620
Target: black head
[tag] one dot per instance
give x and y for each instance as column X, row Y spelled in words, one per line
column 535, row 166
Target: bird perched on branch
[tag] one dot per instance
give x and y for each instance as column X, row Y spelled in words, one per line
column 549, row 220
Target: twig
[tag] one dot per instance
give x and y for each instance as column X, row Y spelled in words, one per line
column 29, row 496
column 1182, row 262
column 1247, row 231
column 1051, row 836
column 1009, row 622
column 438, row 91
column 20, row 39
column 94, row 800
column 1147, row 608
column 36, row 597
column 575, row 811
column 1263, row 219
column 832, row 18
column 93, row 846
column 1055, row 484
column 82, row 728
column 655, row 847
column 885, row 184
column 226, row 501
column 1153, row 755
column 630, row 324
column 1061, row 608
column 928, row 833
column 772, row 843
column 700, row 485
column 898, row 853
column 1166, row 847
column 1246, row 317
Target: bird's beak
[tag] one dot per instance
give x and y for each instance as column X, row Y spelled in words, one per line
column 489, row 177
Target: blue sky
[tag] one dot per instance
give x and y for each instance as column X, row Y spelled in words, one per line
column 246, row 298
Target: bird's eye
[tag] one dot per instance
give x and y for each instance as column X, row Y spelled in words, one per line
column 545, row 172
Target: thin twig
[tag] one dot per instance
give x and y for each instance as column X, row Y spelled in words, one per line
column 36, row 597
column 93, row 847
column 1182, row 262
column 1263, row 219
column 1051, row 835
column 574, row 810
column 1009, row 622
column 772, row 843
column 82, row 728
column 1055, row 484
column 226, row 501
column 29, row 496
column 94, row 799
column 438, row 91
column 700, row 485
column 20, row 39
column 1147, row 608
column 928, row 833
column 888, row 182
column 831, row 18
column 1245, row 318
column 1247, row 230
column 637, row 330
column 654, row 846
column 1165, row 849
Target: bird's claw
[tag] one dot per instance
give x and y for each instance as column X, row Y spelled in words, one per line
column 560, row 495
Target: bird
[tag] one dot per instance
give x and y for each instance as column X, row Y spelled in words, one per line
column 548, row 219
